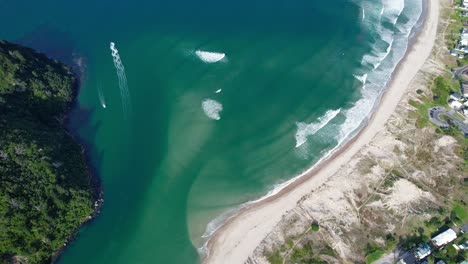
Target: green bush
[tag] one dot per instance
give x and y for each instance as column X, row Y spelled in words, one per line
column 315, row 227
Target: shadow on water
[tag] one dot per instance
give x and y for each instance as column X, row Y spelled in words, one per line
column 128, row 172
column 81, row 128
column 56, row 44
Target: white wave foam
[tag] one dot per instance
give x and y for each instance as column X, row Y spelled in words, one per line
column 212, row 108
column 376, row 79
column 210, row 57
column 305, row 130
column 383, row 58
column 393, row 9
column 219, row 221
column 376, row 57
column 361, row 78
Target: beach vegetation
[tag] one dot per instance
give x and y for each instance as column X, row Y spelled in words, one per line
column 45, row 192
column 454, row 29
column 275, row 258
column 373, row 252
column 306, row 254
column 315, row 226
column 459, row 211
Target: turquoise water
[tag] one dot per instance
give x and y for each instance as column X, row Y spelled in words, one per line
column 296, row 80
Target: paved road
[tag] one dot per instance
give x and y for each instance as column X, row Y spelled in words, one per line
column 459, row 71
column 390, row 258
column 435, row 114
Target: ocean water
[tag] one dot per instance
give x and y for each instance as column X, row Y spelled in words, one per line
column 201, row 106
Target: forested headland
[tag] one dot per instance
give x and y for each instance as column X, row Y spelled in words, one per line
column 45, row 187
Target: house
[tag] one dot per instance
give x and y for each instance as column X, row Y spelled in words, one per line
column 422, row 251
column 463, row 246
column 444, row 238
column 455, row 104
column 464, row 228
column 455, row 96
column 453, row 53
column 464, row 34
column 464, row 90
column 407, row 259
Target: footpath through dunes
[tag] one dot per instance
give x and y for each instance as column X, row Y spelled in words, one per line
column 238, row 238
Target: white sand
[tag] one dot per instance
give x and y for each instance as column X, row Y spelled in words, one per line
column 238, row 238
column 404, row 193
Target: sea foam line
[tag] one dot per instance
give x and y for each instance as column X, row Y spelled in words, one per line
column 355, row 118
column 383, row 64
column 215, row 224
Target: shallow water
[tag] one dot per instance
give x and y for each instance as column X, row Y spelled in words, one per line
column 169, row 161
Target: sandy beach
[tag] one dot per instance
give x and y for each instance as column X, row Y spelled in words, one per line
column 236, row 240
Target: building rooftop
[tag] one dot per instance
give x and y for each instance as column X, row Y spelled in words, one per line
column 464, row 228
column 422, row 251
column 455, row 96
column 464, row 89
column 444, row 238
column 408, row 259
column 455, row 104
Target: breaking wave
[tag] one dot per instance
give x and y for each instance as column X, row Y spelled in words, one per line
column 210, row 57
column 305, row 130
column 390, row 36
column 390, row 39
column 362, row 79
column 212, row 108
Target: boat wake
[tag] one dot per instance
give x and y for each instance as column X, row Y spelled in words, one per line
column 124, row 93
column 210, row 57
column 101, row 97
column 305, row 130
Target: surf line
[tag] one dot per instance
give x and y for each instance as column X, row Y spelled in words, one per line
column 124, row 93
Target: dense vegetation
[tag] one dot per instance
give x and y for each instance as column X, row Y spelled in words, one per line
column 45, row 191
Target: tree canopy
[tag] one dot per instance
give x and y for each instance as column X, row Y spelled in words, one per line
column 45, row 191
